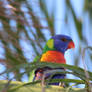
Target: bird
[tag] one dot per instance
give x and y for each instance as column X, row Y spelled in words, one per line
column 53, row 52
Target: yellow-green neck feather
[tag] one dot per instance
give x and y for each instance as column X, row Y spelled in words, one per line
column 49, row 46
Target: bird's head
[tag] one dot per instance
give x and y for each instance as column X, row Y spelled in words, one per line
column 59, row 43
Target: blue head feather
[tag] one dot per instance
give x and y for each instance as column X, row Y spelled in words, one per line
column 61, row 42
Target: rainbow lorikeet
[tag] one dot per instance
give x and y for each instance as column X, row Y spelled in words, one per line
column 54, row 52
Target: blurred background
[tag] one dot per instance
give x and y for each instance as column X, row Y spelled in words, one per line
column 26, row 25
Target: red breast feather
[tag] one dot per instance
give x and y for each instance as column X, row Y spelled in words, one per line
column 53, row 57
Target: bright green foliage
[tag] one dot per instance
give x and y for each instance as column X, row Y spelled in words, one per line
column 18, row 87
column 74, row 70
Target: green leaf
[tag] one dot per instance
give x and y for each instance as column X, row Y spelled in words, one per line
column 78, row 22
column 77, row 70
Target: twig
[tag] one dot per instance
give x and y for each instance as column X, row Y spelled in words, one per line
column 5, row 89
column 89, row 89
column 43, row 77
column 43, row 82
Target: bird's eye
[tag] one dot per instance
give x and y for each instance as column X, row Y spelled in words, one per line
column 64, row 40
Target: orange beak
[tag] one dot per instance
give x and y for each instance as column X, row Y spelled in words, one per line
column 71, row 45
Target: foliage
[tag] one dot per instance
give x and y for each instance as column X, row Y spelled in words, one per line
column 79, row 72
column 36, row 88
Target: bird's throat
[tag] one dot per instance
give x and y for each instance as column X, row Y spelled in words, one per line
column 53, row 57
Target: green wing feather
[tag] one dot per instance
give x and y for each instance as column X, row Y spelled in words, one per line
column 36, row 59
